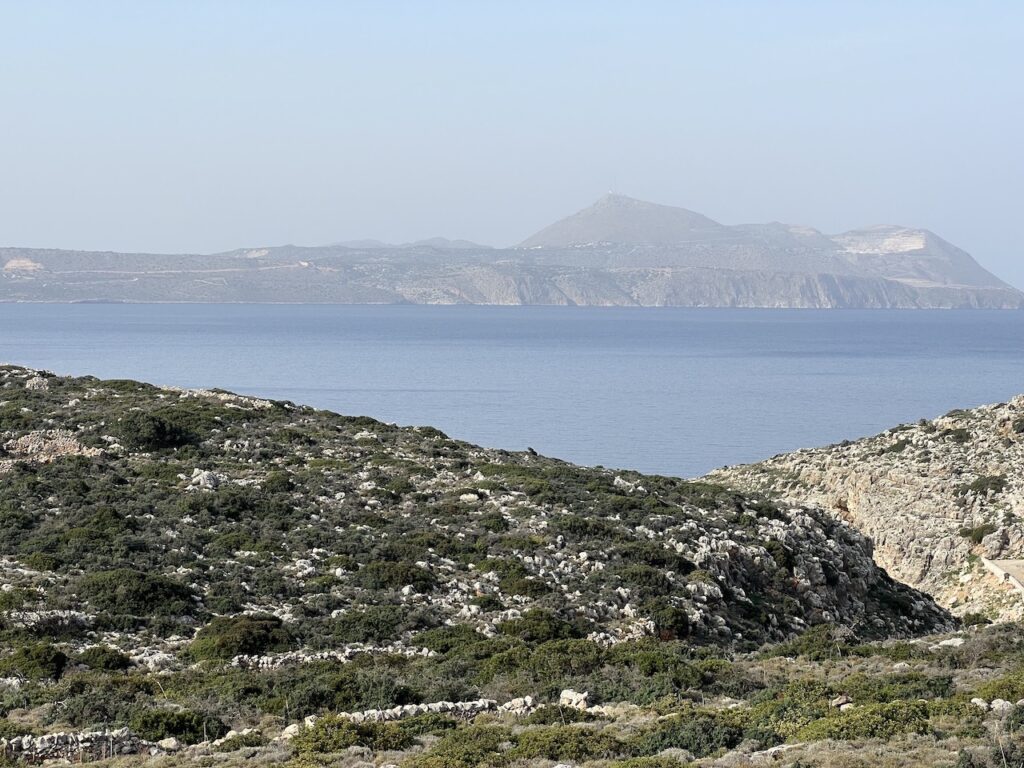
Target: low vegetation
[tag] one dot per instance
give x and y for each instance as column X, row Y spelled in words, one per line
column 211, row 570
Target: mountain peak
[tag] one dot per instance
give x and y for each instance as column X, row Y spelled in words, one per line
column 616, row 218
column 614, row 198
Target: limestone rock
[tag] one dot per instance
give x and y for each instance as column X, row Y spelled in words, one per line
column 574, row 699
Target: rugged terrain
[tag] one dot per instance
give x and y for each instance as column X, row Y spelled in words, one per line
column 198, row 576
column 618, row 252
column 936, row 497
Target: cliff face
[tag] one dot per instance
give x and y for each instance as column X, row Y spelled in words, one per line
column 935, row 497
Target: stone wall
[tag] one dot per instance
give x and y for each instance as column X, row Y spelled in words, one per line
column 91, row 745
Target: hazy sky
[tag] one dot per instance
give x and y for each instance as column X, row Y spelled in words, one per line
column 205, row 126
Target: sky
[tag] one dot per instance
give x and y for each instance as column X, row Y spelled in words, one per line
column 207, row 126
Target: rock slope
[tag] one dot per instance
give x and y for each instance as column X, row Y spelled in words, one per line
column 935, row 497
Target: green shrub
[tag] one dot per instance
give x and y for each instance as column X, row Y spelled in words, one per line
column 400, row 486
column 238, row 503
column 494, row 522
column 701, row 733
column 447, row 639
column 153, row 431
column 191, row 727
column 897, row 447
column 1010, row 687
column 655, row 556
column 90, row 700
column 104, row 658
column 10, row 729
column 242, row 740
column 786, row 709
column 488, row 603
column 907, row 686
column 431, row 722
column 956, row 434
column 978, row 532
column 644, row 581
column 378, row 623
column 126, row 592
column 898, row 651
column 670, row 621
column 40, row 661
column 647, row 762
column 12, row 419
column 15, row 599
column 40, row 561
column 525, row 586
column 538, row 626
column 546, row 663
column 983, row 485
column 781, row 554
column 469, row 747
column 385, row 575
column 566, row 742
column 228, row 636
column 277, row 482
column 820, row 643
column 870, row 721
column 334, row 734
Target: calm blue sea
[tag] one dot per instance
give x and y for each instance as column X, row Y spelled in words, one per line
column 672, row 391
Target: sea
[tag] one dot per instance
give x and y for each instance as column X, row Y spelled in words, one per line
column 668, row 391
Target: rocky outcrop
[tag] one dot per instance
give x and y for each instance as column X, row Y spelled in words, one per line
column 42, row 447
column 935, row 497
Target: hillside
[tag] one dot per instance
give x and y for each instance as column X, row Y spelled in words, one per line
column 617, row 252
column 265, row 506
column 180, row 562
column 936, row 498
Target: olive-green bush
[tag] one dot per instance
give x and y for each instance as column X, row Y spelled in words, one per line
column 187, row 725
column 870, row 721
column 334, row 734
column 228, row 636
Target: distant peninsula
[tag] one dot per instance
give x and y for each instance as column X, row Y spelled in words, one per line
column 617, row 252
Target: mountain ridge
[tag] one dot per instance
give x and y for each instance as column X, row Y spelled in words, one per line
column 869, row 251
column 617, row 252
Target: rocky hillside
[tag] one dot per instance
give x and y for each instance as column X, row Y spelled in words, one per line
column 239, row 581
column 618, row 252
column 224, row 504
column 935, row 497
